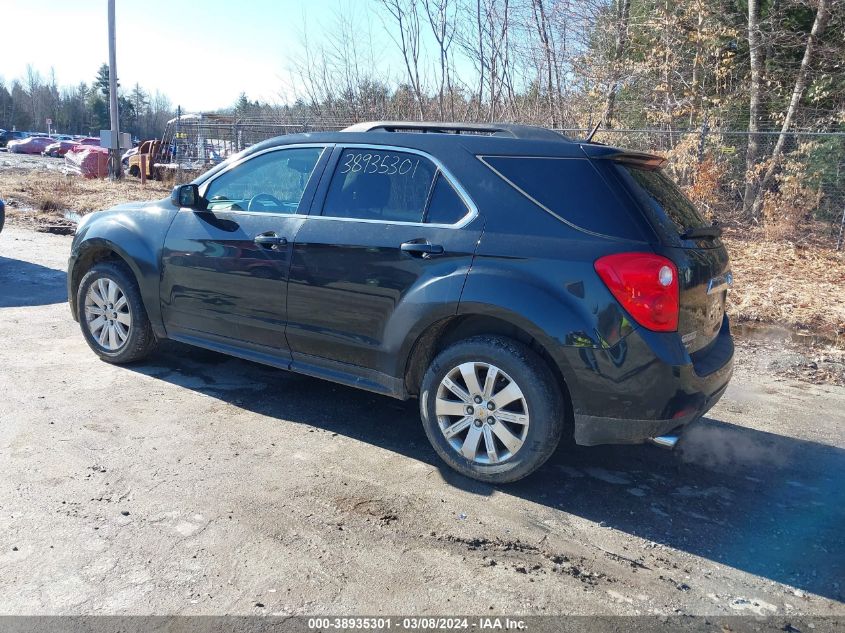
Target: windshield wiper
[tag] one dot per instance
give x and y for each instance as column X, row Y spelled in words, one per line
column 713, row 231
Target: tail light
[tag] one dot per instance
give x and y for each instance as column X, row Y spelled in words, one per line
column 646, row 285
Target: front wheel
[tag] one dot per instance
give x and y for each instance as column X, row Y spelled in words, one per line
column 492, row 409
column 112, row 315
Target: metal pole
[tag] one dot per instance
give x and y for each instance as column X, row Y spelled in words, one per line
column 176, row 145
column 115, row 168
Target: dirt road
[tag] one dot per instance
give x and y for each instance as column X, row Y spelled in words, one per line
column 196, row 483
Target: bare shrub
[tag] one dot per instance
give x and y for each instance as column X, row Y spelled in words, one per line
column 48, row 202
column 710, row 187
column 791, row 201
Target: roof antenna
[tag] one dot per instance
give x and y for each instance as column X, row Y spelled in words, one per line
column 593, row 132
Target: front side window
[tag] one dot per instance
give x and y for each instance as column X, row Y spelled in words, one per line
column 386, row 185
column 272, row 182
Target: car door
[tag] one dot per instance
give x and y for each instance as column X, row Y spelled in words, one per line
column 392, row 222
column 224, row 269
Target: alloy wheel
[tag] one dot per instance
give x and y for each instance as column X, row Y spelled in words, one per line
column 107, row 314
column 482, row 412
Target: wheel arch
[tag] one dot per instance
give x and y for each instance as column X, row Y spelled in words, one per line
column 134, row 233
column 92, row 253
column 445, row 332
column 136, row 255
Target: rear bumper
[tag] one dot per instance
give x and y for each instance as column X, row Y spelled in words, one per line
column 646, row 386
column 591, row 430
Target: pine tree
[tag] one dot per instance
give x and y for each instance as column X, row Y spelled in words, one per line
column 101, row 83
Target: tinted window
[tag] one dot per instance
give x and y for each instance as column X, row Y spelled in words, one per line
column 274, row 181
column 380, row 185
column 656, row 192
column 573, row 190
column 445, row 205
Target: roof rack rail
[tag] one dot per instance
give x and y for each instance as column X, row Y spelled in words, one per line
column 512, row 130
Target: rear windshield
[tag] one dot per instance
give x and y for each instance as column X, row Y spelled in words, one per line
column 656, row 192
column 572, row 190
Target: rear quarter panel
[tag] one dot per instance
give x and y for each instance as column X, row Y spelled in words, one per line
column 537, row 272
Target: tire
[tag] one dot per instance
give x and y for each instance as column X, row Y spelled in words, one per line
column 133, row 337
column 537, row 418
column 135, row 171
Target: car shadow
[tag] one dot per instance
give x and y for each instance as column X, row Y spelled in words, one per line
column 763, row 503
column 26, row 284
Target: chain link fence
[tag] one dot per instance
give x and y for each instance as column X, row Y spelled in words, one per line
column 194, row 142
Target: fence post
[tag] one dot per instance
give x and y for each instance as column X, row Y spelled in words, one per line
column 176, row 145
column 841, row 227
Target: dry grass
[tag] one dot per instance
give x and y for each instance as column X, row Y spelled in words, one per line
column 799, row 284
column 53, row 191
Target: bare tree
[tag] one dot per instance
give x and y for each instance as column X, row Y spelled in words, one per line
column 32, row 85
column 405, row 13
column 756, row 60
column 443, row 29
column 800, row 84
column 487, row 45
column 550, row 60
column 622, row 19
column 497, row 29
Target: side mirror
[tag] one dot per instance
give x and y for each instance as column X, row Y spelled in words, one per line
column 187, row 197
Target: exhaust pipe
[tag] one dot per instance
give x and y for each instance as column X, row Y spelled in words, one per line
column 665, row 441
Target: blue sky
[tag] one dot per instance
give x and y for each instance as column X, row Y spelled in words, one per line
column 201, row 53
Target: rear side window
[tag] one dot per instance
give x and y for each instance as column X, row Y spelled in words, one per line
column 571, row 189
column 445, row 205
column 656, row 192
column 390, row 186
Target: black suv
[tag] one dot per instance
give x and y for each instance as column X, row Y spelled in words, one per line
column 524, row 286
column 6, row 136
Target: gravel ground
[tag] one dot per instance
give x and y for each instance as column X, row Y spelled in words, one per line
column 30, row 161
column 200, row 484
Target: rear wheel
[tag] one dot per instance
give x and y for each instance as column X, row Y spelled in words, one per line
column 112, row 315
column 491, row 408
column 135, row 171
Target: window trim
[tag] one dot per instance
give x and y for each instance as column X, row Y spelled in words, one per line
column 440, row 169
column 203, row 188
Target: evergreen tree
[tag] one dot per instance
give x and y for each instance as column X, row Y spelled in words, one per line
column 101, row 83
column 242, row 105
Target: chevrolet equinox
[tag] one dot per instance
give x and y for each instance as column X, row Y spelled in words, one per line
column 524, row 286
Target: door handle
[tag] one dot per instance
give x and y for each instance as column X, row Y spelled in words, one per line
column 270, row 240
column 421, row 249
